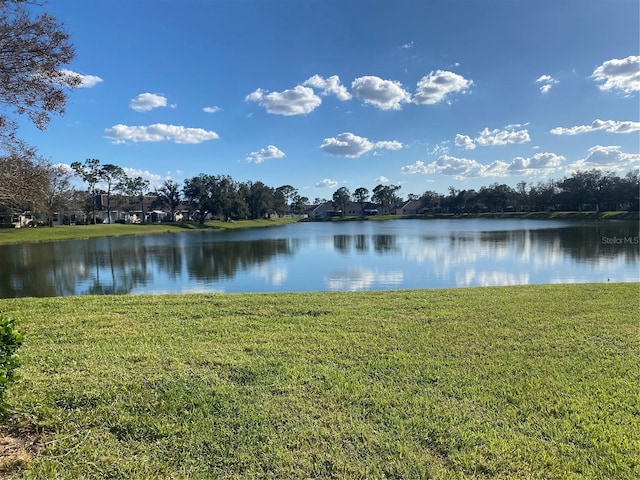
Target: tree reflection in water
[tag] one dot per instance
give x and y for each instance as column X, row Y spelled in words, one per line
column 368, row 255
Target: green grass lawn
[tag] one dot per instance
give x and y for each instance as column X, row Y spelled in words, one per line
column 536, row 382
column 47, row 234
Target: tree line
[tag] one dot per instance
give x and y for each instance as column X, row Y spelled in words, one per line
column 32, row 184
column 590, row 190
column 36, row 186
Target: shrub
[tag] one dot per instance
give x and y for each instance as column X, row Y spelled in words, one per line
column 10, row 340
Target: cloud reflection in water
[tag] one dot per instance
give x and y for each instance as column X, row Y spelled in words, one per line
column 361, row 279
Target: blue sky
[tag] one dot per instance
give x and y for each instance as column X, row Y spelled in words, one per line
column 324, row 94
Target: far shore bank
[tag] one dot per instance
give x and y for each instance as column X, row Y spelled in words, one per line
column 15, row 236
column 617, row 215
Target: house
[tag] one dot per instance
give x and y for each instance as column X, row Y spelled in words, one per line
column 351, row 209
column 323, row 210
column 129, row 209
column 411, row 207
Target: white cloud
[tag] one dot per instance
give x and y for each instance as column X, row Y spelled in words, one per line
column 420, row 167
column 462, row 168
column 255, row 96
column 158, row 132
column 263, row 154
column 382, row 179
column 299, row 100
column 611, row 126
column 539, row 162
column 86, row 81
column 606, row 158
column 383, row 94
column 147, row 101
column 408, row 46
column 515, row 125
column 502, row 137
column 619, row 74
column 435, row 87
column 326, row 183
column 328, row 86
column 154, row 179
column 548, row 81
column 212, row 109
column 388, row 145
column 486, row 138
column 349, row 145
column 465, row 141
column 441, row 148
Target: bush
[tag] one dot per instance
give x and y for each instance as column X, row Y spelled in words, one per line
column 10, row 340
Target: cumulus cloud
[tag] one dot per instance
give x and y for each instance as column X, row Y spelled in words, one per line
column 255, row 96
column 299, row 100
column 486, row 138
column 606, row 158
column 388, row 145
column 548, row 81
column 263, row 154
column 464, row 167
column 619, row 74
column 382, row 94
column 461, row 168
column 382, row 179
column 212, row 109
column 611, row 126
column 458, row 168
column 349, row 145
column 147, row 101
column 539, row 162
column 435, row 87
column 154, row 179
column 158, row 132
column 420, row 167
column 465, row 141
column 326, row 183
column 502, row 137
column 328, row 86
column 86, row 81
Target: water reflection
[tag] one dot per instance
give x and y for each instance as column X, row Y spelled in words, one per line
column 356, row 278
column 216, row 260
column 342, row 256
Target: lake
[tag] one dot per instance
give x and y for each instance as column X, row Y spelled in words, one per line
column 329, row 256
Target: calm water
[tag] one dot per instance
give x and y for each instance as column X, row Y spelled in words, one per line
column 369, row 255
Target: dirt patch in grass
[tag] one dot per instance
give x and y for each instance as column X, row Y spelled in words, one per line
column 17, row 449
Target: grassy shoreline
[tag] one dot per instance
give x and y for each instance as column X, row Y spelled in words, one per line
column 499, row 382
column 14, row 236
